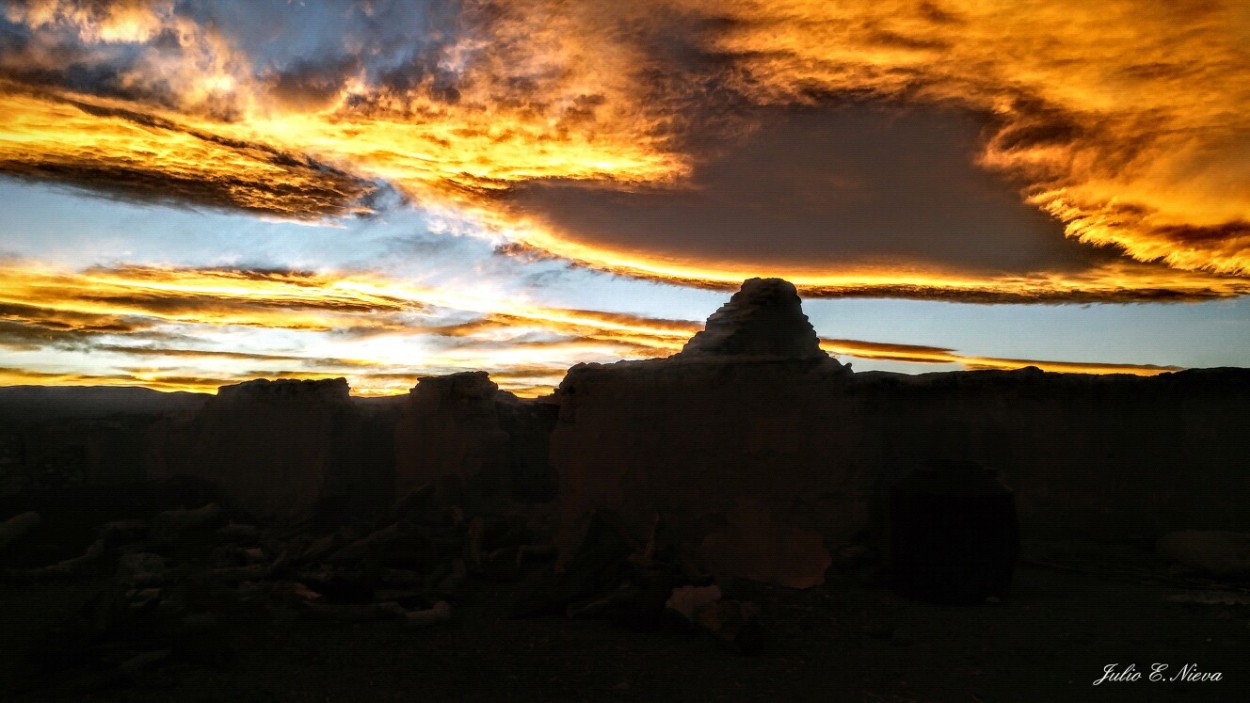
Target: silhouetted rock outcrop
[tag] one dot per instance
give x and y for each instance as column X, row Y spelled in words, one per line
column 737, row 440
column 461, row 433
column 762, row 321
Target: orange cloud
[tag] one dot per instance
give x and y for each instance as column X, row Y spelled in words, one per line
column 1068, row 366
column 913, row 353
column 1124, row 122
column 107, row 146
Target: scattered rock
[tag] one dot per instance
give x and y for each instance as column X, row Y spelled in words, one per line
column 1216, row 553
column 686, row 600
column 124, row 531
column 440, row 612
column 329, row 544
column 237, row 574
column 640, row 599
column 368, row 612
column 137, row 664
column 734, row 622
column 17, row 527
column 238, row 533
column 369, row 547
column 1218, row 598
column 94, row 560
column 401, row 578
column 141, row 570
column 781, row 556
column 208, row 516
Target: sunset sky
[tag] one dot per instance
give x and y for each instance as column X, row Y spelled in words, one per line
column 198, row 192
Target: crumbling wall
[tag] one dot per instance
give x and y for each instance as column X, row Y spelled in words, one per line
column 694, row 442
column 462, row 434
column 1092, row 452
column 284, row 450
column 697, row 441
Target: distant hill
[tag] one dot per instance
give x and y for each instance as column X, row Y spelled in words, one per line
column 36, row 403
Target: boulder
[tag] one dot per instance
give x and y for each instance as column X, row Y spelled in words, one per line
column 734, row 622
column 1214, row 552
column 782, row 556
column 17, row 527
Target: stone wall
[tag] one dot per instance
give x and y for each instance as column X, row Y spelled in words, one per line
column 817, row 449
column 460, row 433
column 284, row 450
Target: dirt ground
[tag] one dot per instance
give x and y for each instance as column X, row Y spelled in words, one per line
column 1076, row 607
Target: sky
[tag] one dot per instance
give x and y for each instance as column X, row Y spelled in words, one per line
column 201, row 192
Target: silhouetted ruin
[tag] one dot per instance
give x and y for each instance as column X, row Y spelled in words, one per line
column 697, row 489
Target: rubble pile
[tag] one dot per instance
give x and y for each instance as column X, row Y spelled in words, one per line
column 169, row 586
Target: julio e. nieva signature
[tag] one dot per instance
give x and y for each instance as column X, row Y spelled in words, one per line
column 1112, row 673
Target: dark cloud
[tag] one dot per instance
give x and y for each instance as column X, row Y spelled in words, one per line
column 32, row 327
column 159, row 303
column 311, row 84
column 1129, row 292
column 137, row 184
column 307, row 51
column 204, row 353
column 57, row 57
column 934, row 13
column 885, row 37
column 832, row 187
column 26, row 337
column 1189, row 234
column 465, row 329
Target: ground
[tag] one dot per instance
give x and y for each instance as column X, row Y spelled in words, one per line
column 1076, row 606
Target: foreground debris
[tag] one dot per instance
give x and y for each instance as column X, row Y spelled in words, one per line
column 170, row 581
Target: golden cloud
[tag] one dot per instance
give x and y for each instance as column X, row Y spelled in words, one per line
column 1125, row 122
